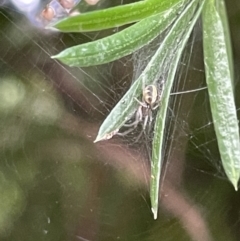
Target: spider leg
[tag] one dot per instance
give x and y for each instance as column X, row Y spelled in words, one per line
column 138, row 118
column 143, row 129
column 145, row 121
column 141, row 103
column 138, row 137
column 132, row 124
column 150, row 119
column 156, row 106
column 126, row 132
column 150, row 116
column 148, row 122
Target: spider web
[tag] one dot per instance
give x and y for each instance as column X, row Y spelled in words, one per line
column 67, row 188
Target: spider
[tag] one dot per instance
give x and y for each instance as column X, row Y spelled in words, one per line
column 150, row 102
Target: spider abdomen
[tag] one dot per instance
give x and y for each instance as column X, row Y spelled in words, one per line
column 150, row 94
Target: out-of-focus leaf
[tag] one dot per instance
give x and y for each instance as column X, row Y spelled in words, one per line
column 120, row 44
column 113, row 17
column 181, row 30
column 218, row 75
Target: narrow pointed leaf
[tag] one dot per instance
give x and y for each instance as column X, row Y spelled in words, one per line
column 221, row 9
column 113, row 17
column 128, row 105
column 120, row 44
column 218, row 75
column 182, row 29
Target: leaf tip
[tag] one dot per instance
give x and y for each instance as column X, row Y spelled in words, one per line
column 235, row 185
column 106, row 136
column 57, row 56
column 50, row 27
column 97, row 139
column 234, row 182
column 155, row 213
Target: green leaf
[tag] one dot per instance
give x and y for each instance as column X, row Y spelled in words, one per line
column 120, row 44
column 220, row 7
column 218, row 75
column 126, row 107
column 113, row 17
column 181, row 30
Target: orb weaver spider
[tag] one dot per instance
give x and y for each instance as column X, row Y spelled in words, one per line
column 149, row 103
